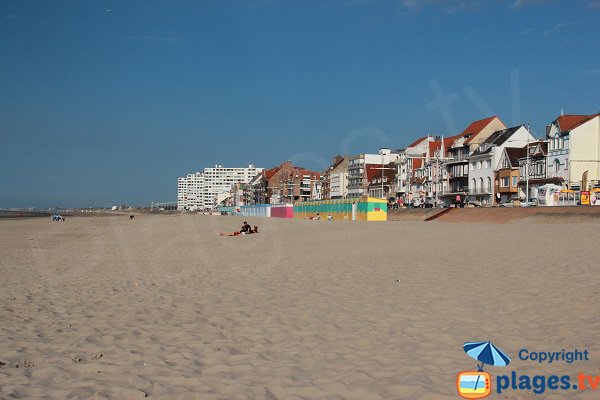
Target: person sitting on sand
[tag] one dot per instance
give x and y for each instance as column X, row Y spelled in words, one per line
column 246, row 228
column 242, row 232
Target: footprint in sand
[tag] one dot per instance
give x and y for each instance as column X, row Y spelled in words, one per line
column 77, row 359
column 97, row 356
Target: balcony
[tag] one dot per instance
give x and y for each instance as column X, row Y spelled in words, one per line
column 456, row 190
column 474, row 191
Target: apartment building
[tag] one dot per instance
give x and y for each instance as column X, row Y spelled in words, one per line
column 358, row 167
column 288, row 183
column 205, row 190
column 335, row 179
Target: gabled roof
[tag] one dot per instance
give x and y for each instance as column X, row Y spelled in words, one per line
column 540, row 146
column 569, row 122
column 387, row 173
column 475, row 128
column 496, row 139
column 513, row 154
column 416, row 142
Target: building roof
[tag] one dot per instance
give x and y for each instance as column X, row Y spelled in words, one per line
column 540, row 146
column 390, row 174
column 496, row 139
column 475, row 128
column 514, row 153
column 416, row 142
column 569, row 122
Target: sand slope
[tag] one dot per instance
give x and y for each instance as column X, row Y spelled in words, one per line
column 164, row 307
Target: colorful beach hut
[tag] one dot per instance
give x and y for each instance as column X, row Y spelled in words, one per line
column 353, row 209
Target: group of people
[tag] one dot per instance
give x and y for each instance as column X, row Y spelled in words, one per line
column 245, row 230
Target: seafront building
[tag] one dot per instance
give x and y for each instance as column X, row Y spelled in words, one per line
column 457, row 164
column 485, row 162
column 335, row 179
column 533, row 171
column 288, row 183
column 362, row 165
column 574, row 150
column 205, row 190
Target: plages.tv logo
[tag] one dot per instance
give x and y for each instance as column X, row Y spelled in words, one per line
column 478, row 384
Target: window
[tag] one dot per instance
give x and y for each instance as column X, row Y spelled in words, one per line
column 478, row 164
column 474, row 185
column 481, row 184
column 504, row 181
column 489, row 184
column 514, row 181
column 473, row 166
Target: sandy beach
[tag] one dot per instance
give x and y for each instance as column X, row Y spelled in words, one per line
column 164, row 307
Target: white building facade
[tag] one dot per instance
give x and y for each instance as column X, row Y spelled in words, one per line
column 484, row 161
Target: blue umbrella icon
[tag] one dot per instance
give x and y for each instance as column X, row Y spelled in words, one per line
column 487, row 353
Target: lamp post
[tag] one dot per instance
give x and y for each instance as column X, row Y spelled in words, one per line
column 382, row 169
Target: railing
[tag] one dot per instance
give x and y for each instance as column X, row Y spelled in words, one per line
column 480, row 191
column 456, row 190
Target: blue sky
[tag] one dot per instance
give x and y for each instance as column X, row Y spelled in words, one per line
column 100, row 108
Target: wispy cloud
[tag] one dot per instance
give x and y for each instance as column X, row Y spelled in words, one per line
column 411, row 5
column 156, row 39
column 444, row 6
column 525, row 3
column 11, row 16
column 526, row 31
column 561, row 25
column 590, row 72
column 594, row 4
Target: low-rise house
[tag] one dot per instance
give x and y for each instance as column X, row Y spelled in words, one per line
column 457, row 164
column 485, row 161
column 532, row 178
column 507, row 176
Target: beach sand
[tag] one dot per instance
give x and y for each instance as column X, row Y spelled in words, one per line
column 164, row 307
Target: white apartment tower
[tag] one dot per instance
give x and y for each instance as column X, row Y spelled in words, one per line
column 205, row 190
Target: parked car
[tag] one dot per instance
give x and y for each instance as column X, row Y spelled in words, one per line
column 508, row 203
column 529, row 203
